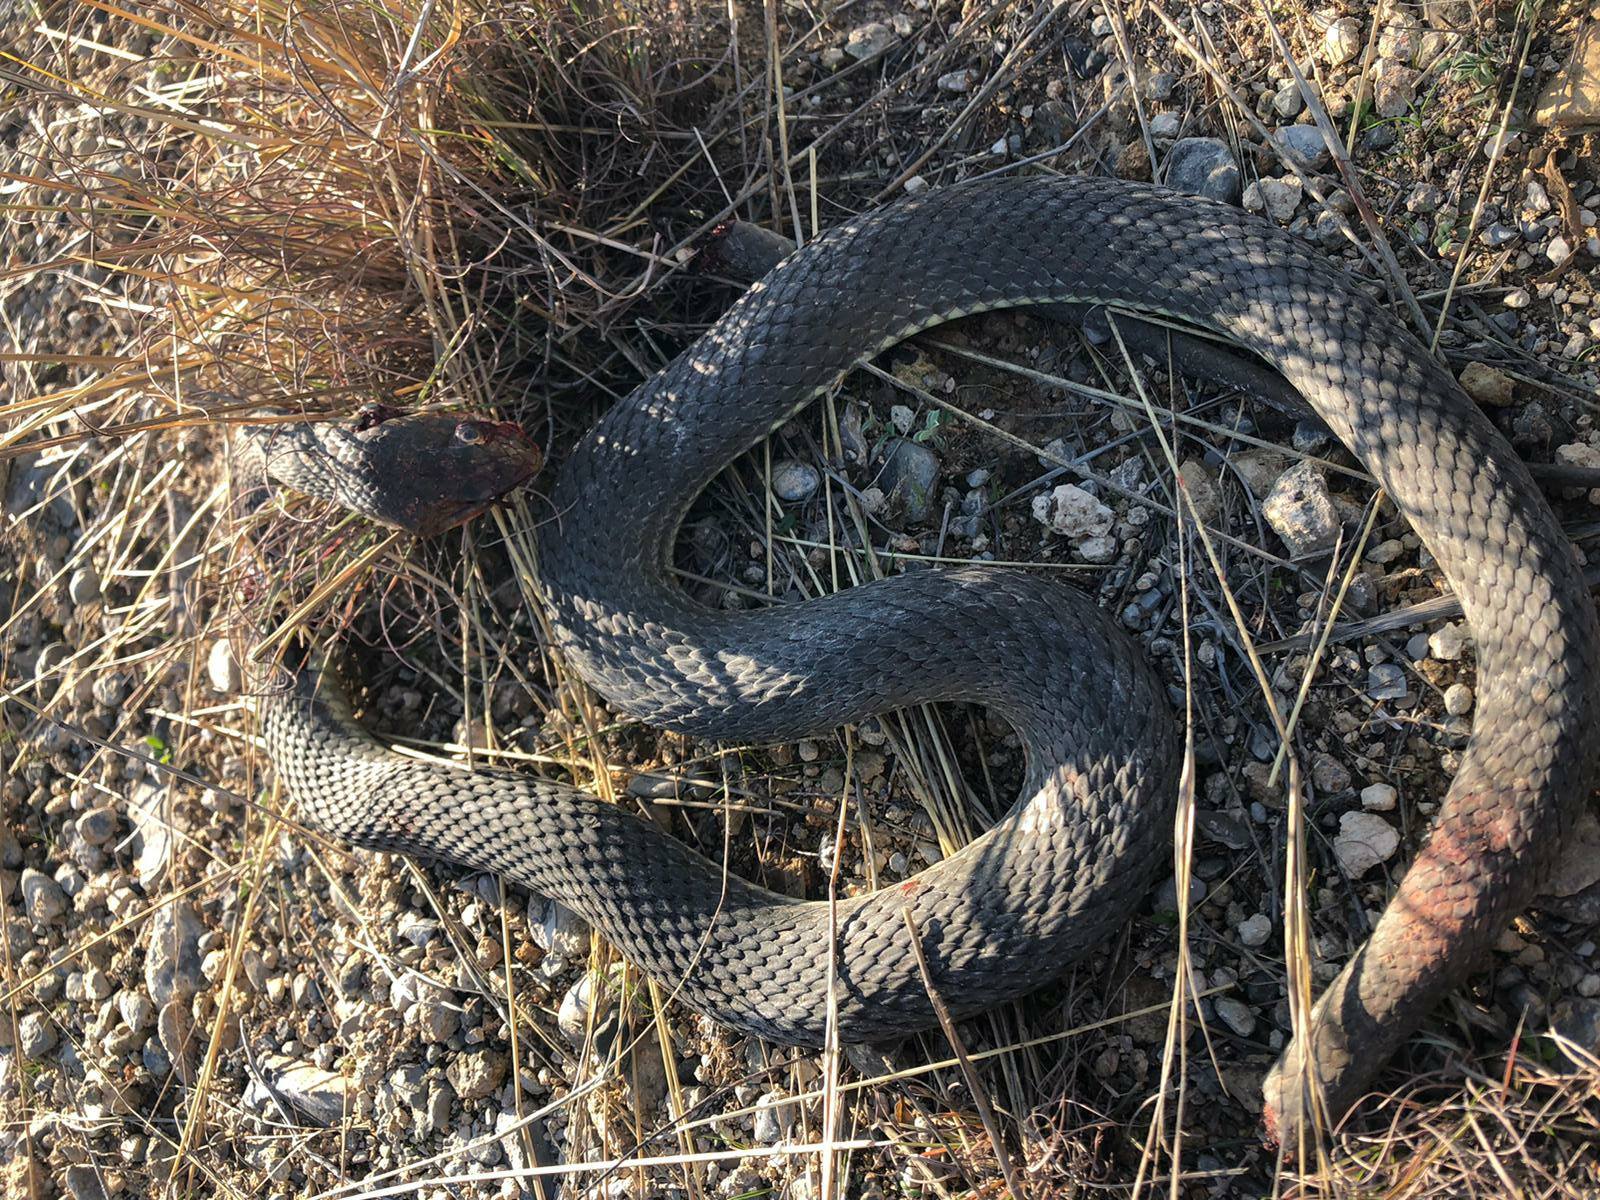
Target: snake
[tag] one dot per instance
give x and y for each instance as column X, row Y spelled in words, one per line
column 1063, row 869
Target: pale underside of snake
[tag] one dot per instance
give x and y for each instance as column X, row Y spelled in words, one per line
column 1064, row 868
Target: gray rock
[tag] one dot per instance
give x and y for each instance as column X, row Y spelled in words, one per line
column 172, row 963
column 152, row 838
column 1395, row 90
column 83, row 1183
column 84, row 586
column 1255, row 930
column 794, row 481
column 1448, row 642
column 1301, row 511
column 1364, row 840
column 476, row 1072
column 1166, row 898
column 1342, row 41
column 98, row 826
column 319, row 1096
column 1304, row 146
column 96, row 985
column 774, row 1118
column 910, row 477
column 558, row 931
column 137, row 1013
column 958, row 81
column 40, row 492
column 1458, row 699
column 38, row 1033
column 1278, row 198
column 1165, row 125
column 589, row 994
column 437, row 1019
column 1073, row 513
column 42, row 897
column 1223, row 829
column 1051, row 121
column 1203, row 166
column 175, row 1031
column 1236, row 1015
column 1287, row 101
column 869, row 40
column 1386, row 681
column 1329, row 774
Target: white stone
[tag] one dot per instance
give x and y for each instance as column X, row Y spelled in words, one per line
column 1379, row 797
column 1364, row 841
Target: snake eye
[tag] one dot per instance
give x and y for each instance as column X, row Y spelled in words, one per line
column 468, row 434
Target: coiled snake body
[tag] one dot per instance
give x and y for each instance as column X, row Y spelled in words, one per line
column 1066, row 866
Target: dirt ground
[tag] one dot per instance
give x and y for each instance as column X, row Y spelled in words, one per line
column 209, row 211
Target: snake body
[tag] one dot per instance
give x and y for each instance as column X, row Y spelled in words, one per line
column 1063, row 869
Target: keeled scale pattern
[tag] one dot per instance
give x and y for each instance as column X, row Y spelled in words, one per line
column 1068, row 863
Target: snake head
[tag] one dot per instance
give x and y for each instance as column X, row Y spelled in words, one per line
column 430, row 472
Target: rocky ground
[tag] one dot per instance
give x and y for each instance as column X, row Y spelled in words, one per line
column 200, row 994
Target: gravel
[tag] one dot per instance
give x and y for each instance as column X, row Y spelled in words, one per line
column 172, row 964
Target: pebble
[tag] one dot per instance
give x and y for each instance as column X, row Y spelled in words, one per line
column 173, row 1029
column 1487, row 385
column 42, row 897
column 319, row 1096
column 1255, row 930
column 1364, row 841
column 1559, row 250
column 1097, row 550
column 152, row 837
column 910, row 477
column 1166, row 899
column 38, row 1034
column 1342, row 41
column 1385, row 681
column 794, row 481
column 1379, row 797
column 957, row 81
column 172, row 963
column 1394, row 90
column 1458, row 699
column 773, row 1119
column 136, row 1010
column 1578, row 1022
column 869, row 40
column 1236, row 1015
column 98, row 826
column 558, row 931
column 1165, row 125
column 1203, row 166
column 1329, row 774
column 84, row 586
column 1278, row 198
column 222, row 668
column 1447, row 642
column 572, row 1018
column 1304, row 146
column 1386, row 551
column 437, row 1019
column 1423, row 199
column 1073, row 513
column 83, row 1183
column 1301, row 511
column 1287, row 101
column 96, row 985
column 476, row 1073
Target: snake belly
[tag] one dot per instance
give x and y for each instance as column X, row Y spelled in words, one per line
column 1063, row 869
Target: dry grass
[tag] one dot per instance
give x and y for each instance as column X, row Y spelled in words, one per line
column 487, row 205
